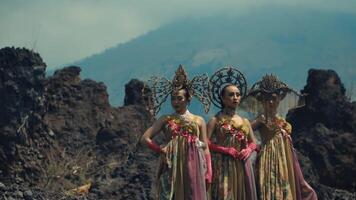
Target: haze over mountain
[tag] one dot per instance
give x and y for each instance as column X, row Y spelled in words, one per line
column 281, row 40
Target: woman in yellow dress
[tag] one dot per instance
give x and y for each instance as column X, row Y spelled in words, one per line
column 278, row 173
column 231, row 139
column 185, row 164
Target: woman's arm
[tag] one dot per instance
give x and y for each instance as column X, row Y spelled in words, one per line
column 151, row 132
column 211, row 127
column 251, row 143
column 213, row 147
column 251, row 135
column 203, row 134
column 204, row 138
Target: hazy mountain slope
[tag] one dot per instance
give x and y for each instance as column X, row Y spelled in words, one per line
column 279, row 40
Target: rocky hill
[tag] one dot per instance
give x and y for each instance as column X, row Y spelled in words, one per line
column 60, row 133
column 325, row 134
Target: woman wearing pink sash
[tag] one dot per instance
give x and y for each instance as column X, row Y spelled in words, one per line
column 185, row 164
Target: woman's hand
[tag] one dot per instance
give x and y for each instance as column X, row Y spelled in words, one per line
column 150, row 133
column 152, row 145
column 225, row 150
column 246, row 153
column 232, row 152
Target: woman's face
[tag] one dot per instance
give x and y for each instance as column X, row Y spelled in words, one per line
column 271, row 102
column 231, row 97
column 179, row 100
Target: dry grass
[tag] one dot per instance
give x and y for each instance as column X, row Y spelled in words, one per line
column 65, row 171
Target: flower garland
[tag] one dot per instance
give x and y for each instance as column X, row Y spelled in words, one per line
column 179, row 128
column 239, row 133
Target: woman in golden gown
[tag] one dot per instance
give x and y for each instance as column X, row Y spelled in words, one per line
column 185, row 164
column 278, row 172
column 232, row 140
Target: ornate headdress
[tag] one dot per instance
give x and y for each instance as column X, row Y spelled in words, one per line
column 157, row 89
column 223, row 77
column 268, row 86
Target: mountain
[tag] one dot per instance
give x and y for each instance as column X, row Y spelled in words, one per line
column 280, row 40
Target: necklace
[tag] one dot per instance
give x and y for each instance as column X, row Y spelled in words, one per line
column 184, row 116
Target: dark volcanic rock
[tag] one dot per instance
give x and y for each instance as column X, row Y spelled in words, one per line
column 76, row 109
column 324, row 130
column 60, row 133
column 22, row 80
column 326, row 103
column 83, row 121
column 133, row 93
column 133, row 166
column 21, row 75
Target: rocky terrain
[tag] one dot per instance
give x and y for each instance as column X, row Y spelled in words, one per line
column 324, row 132
column 61, row 139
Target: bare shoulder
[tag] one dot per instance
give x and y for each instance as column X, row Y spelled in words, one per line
column 247, row 121
column 198, row 119
column 214, row 119
column 161, row 119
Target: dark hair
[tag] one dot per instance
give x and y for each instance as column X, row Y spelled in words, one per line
column 187, row 93
column 222, row 93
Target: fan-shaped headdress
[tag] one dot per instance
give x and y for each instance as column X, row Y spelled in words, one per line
column 157, row 89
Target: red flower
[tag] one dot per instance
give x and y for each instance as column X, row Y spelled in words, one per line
column 178, row 129
column 184, row 133
column 240, row 136
column 173, row 126
column 227, row 127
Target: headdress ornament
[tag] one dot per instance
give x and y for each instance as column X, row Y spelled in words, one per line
column 270, row 85
column 223, row 77
column 157, row 89
column 265, row 88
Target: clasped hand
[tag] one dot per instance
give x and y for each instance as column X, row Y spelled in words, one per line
column 242, row 155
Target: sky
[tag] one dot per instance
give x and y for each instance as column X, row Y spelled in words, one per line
column 68, row 30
